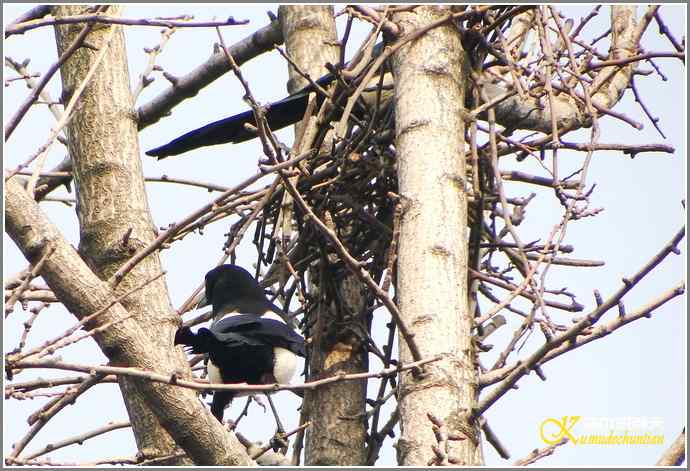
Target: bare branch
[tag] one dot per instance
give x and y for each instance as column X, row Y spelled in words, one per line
column 19, row 114
column 74, row 99
column 214, row 67
column 44, row 417
column 176, row 227
column 78, row 439
column 534, row 360
column 33, row 14
column 91, row 20
column 33, row 273
column 539, row 453
column 202, row 386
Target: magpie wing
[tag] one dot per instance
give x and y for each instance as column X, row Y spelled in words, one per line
column 254, row 330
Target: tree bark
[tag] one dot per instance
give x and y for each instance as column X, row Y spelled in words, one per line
column 430, row 73
column 310, row 39
column 113, row 211
column 338, row 431
column 111, row 200
column 337, row 435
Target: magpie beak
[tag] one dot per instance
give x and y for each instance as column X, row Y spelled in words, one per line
column 280, row 114
column 247, row 342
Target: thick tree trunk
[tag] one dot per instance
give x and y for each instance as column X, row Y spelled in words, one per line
column 338, row 431
column 113, row 211
column 433, row 255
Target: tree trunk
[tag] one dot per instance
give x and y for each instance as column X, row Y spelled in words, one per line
column 338, row 431
column 432, row 262
column 337, row 435
column 113, row 211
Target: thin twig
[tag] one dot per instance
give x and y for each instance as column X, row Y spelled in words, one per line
column 539, row 453
column 35, row 270
column 44, row 417
column 67, row 115
column 268, row 445
column 92, row 20
column 78, row 439
column 524, row 367
column 50, row 346
column 176, row 227
column 35, row 93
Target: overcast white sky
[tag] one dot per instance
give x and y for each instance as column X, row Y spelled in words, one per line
column 638, row 371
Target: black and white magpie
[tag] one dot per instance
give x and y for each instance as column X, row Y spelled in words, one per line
column 248, row 340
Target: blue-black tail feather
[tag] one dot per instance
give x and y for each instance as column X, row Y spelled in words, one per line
column 202, row 342
column 282, row 113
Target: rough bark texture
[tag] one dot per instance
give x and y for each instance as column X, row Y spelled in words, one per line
column 311, row 40
column 111, row 201
column 338, row 431
column 432, row 260
column 113, row 212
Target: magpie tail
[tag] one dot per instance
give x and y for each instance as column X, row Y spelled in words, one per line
column 280, row 114
column 232, row 130
column 219, row 132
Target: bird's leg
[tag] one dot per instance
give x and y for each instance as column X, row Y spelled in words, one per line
column 278, row 441
column 281, row 430
column 259, row 402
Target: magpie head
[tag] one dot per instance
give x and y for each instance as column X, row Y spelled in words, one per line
column 231, row 288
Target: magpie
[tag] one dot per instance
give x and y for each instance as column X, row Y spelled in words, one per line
column 280, row 114
column 248, row 340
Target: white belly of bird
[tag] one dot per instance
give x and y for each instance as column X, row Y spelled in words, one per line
column 284, row 365
column 213, row 373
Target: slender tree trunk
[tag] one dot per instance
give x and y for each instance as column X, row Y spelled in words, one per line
column 113, row 211
column 338, row 431
column 433, row 254
column 311, row 40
